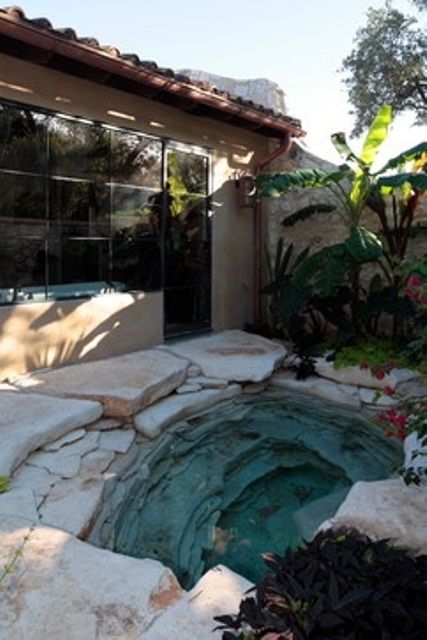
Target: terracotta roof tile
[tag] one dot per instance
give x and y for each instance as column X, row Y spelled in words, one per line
column 272, row 120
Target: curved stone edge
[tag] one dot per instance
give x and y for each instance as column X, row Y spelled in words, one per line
column 153, row 420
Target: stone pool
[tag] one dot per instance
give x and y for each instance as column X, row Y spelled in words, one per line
column 255, row 474
column 69, row 437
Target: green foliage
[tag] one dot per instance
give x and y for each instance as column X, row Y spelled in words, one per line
column 307, row 212
column 371, row 353
column 4, row 483
column 278, row 273
column 340, row 586
column 327, row 286
column 387, row 66
column 11, row 564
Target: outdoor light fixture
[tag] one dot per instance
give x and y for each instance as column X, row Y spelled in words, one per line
column 246, row 191
column 120, row 114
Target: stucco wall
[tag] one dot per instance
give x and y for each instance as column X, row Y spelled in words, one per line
column 40, row 334
column 47, row 334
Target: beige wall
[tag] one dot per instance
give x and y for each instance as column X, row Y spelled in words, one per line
column 46, row 334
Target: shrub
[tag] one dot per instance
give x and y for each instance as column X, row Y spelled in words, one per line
column 340, row 586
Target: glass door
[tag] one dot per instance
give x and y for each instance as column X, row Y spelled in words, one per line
column 187, row 242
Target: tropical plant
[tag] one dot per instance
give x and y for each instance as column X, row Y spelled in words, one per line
column 334, row 272
column 278, row 275
column 340, row 586
column 387, row 65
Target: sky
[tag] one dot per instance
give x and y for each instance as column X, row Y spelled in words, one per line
column 299, row 44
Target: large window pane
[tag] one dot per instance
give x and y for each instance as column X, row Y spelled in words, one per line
column 136, row 160
column 22, row 203
column 79, row 150
column 23, row 140
column 82, row 263
column 80, row 208
column 22, row 275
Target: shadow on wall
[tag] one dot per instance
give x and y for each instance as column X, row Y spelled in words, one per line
column 37, row 336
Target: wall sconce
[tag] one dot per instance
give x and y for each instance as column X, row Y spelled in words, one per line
column 246, row 191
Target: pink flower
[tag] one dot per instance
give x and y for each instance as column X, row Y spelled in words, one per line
column 413, row 280
column 395, row 423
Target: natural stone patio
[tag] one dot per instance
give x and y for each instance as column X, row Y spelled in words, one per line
column 67, row 434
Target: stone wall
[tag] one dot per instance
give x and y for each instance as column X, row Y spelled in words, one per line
column 327, row 228
column 259, row 90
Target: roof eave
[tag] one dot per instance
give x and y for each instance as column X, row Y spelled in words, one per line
column 51, row 49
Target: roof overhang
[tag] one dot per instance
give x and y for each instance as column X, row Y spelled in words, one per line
column 61, row 51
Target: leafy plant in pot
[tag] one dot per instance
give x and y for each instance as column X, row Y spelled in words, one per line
column 340, row 586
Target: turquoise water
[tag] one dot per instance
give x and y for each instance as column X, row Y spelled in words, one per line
column 254, row 475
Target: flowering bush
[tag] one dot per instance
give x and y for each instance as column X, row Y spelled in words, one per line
column 408, row 415
column 415, row 288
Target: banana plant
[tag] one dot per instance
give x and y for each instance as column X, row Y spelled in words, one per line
column 355, row 186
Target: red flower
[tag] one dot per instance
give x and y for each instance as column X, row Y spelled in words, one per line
column 380, row 374
column 395, row 423
column 388, row 390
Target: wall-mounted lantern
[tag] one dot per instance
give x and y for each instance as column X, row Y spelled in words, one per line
column 246, row 191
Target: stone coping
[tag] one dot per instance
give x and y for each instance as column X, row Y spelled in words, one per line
column 65, row 447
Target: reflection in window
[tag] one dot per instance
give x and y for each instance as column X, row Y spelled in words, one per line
column 187, row 242
column 84, row 209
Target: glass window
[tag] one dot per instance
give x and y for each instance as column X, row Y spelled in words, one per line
column 78, row 149
column 136, row 160
column 80, row 208
column 23, row 140
column 84, row 210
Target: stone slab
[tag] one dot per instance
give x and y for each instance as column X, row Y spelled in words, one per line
column 63, row 588
column 232, row 355
column 95, row 463
column 321, row 388
column 363, row 377
column 57, row 462
column 69, row 438
column 123, row 385
column 218, row 592
column 38, row 479
column 73, row 505
column 28, row 421
column 386, row 509
column 118, row 440
column 153, row 420
column 19, row 503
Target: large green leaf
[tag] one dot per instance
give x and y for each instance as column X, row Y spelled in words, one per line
column 307, row 212
column 363, row 245
column 418, row 181
column 405, row 156
column 339, row 141
column 274, row 184
column 376, row 135
column 293, row 298
column 325, row 269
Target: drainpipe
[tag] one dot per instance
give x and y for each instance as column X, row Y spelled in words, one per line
column 284, row 147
